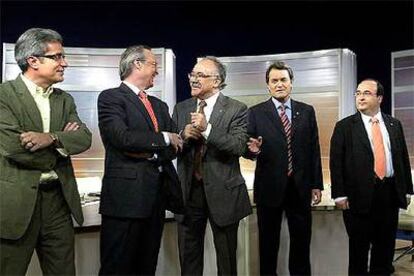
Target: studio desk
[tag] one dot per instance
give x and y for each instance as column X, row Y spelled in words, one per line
column 329, row 248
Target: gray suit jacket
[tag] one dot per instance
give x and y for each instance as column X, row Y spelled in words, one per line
column 20, row 169
column 224, row 186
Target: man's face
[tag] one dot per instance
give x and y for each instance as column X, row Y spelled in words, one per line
column 280, row 84
column 51, row 69
column 204, row 79
column 366, row 98
column 148, row 69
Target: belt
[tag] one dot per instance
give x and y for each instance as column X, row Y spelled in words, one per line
column 140, row 155
column 49, row 185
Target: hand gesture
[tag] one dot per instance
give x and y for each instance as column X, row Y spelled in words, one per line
column 342, row 204
column 190, row 132
column 71, row 126
column 199, row 121
column 316, row 196
column 175, row 141
column 34, row 141
column 255, row 144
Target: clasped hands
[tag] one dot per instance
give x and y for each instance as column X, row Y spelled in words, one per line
column 34, row 141
column 197, row 126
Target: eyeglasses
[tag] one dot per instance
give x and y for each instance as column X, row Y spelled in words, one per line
column 200, row 75
column 56, row 57
column 365, row 94
column 153, row 63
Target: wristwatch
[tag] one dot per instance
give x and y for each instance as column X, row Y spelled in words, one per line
column 55, row 139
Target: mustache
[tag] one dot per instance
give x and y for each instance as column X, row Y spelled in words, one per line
column 195, row 84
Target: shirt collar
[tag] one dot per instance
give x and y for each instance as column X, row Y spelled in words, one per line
column 36, row 90
column 287, row 104
column 367, row 119
column 211, row 101
column 132, row 87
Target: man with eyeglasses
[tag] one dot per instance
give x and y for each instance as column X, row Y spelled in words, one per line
column 39, row 131
column 140, row 142
column 370, row 178
column 214, row 130
column 288, row 177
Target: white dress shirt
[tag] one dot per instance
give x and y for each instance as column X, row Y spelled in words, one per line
column 208, row 109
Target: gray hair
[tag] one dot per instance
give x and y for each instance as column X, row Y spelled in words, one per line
column 221, row 68
column 128, row 57
column 33, row 42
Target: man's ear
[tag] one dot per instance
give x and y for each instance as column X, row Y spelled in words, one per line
column 138, row 64
column 33, row 62
column 217, row 83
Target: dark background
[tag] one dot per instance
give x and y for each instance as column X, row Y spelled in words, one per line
column 371, row 29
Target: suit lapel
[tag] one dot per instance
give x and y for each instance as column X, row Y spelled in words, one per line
column 273, row 115
column 392, row 133
column 130, row 95
column 361, row 132
column 218, row 110
column 191, row 106
column 56, row 110
column 296, row 116
column 29, row 105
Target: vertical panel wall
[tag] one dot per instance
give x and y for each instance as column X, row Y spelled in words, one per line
column 402, row 76
column 90, row 71
column 325, row 79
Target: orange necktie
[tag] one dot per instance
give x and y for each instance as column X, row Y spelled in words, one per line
column 143, row 97
column 379, row 150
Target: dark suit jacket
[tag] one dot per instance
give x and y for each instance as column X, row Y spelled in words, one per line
column 131, row 186
column 20, row 169
column 271, row 167
column 224, row 186
column 352, row 162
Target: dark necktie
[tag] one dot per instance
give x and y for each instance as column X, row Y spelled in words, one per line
column 144, row 98
column 199, row 148
column 288, row 131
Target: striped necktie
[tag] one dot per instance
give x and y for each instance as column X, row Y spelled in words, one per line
column 288, row 131
column 144, row 98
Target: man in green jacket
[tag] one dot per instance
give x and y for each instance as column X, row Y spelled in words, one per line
column 39, row 131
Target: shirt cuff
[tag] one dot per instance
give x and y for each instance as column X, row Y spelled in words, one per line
column 206, row 133
column 166, row 138
column 62, row 152
column 340, row 198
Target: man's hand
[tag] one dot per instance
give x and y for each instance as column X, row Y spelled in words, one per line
column 198, row 121
column 176, row 141
column 316, row 196
column 191, row 132
column 34, row 141
column 342, row 204
column 255, row 144
column 71, row 126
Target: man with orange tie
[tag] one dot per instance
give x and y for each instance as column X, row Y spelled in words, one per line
column 371, row 180
column 137, row 132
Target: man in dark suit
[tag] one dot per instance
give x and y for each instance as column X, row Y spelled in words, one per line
column 137, row 132
column 370, row 178
column 213, row 127
column 39, row 131
column 288, row 171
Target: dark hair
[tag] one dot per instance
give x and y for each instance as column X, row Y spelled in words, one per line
column 380, row 87
column 279, row 65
